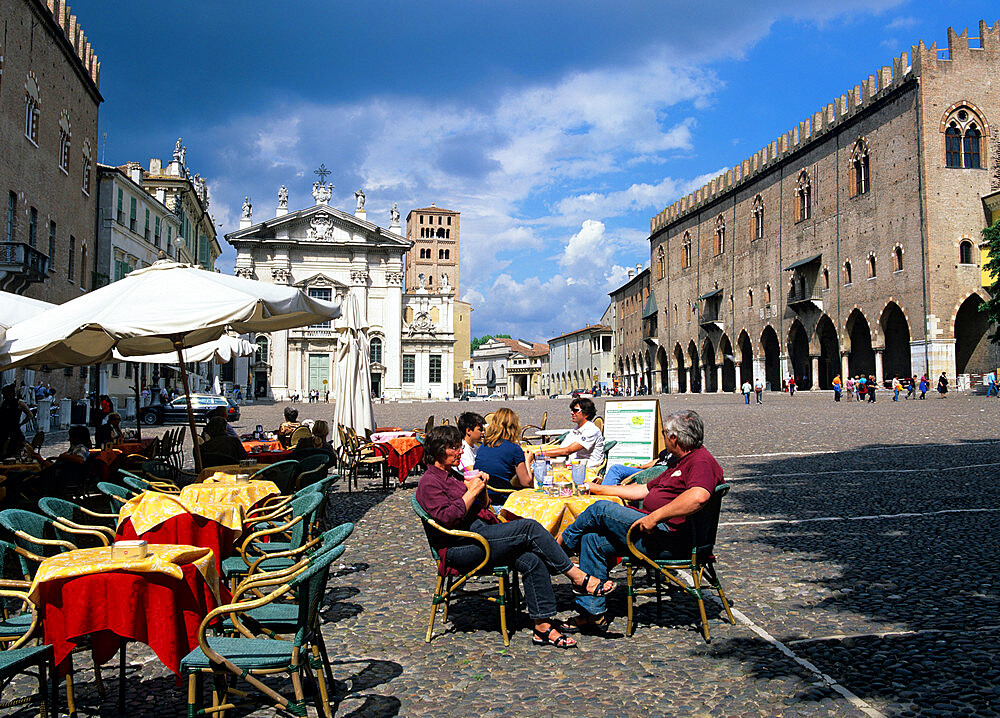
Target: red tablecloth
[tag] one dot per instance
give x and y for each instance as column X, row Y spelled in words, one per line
column 189, row 530
column 402, row 455
column 271, row 457
column 262, row 446
column 154, row 609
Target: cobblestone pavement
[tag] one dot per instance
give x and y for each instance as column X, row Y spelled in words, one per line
column 856, row 544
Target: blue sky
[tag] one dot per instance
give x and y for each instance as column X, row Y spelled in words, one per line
column 556, row 128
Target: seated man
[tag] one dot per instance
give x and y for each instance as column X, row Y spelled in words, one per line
column 471, row 425
column 222, row 411
column 585, row 442
column 109, row 430
column 681, row 490
column 220, row 445
column 290, row 424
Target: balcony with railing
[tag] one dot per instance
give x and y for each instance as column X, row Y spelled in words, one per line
column 710, row 316
column 803, row 291
column 21, row 265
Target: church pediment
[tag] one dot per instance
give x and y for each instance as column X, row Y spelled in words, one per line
column 318, row 281
column 321, row 224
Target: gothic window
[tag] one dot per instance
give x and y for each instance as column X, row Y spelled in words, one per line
column 897, row 258
column 686, row 251
column 860, row 181
column 659, row 262
column 965, row 252
column 750, row 298
column 720, row 235
column 85, row 183
column 375, row 350
column 767, row 294
column 675, row 315
column 848, row 279
column 803, row 197
column 32, row 107
column 872, row 272
column 758, row 218
column 826, row 278
column 964, row 130
column 65, row 133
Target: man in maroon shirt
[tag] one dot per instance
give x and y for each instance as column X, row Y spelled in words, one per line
column 681, row 490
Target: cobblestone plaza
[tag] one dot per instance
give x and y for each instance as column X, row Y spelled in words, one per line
column 856, row 545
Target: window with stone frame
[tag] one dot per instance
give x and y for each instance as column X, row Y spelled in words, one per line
column 803, row 197
column 859, row 181
column 686, row 251
column 897, row 258
column 965, row 252
column 409, row 368
column 87, row 160
column 767, row 294
column 659, row 262
column 848, row 277
column 375, row 350
column 434, row 369
column 757, row 230
column 826, row 278
column 750, row 298
column 872, row 269
column 719, row 245
column 964, row 128
column 32, row 107
column 65, row 133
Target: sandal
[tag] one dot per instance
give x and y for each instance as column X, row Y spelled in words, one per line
column 598, row 591
column 589, row 624
column 544, row 638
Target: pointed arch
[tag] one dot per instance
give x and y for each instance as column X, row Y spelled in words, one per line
column 771, row 351
column 680, row 366
column 858, row 336
column 799, row 364
column 859, row 180
column 709, row 364
column 895, row 331
column 745, row 348
column 971, row 329
column 728, row 360
column 695, row 367
column 663, row 366
column 829, row 352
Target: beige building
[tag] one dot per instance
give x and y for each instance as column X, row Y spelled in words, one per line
column 846, row 246
column 517, row 367
column 463, row 347
column 49, row 100
column 433, row 261
column 581, row 359
column 628, row 304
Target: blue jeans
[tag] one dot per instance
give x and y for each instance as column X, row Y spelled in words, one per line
column 599, row 535
column 529, row 548
column 616, row 473
column 746, row 397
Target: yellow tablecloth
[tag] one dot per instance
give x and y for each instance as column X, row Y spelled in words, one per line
column 556, row 514
column 163, row 558
column 225, row 489
column 150, row 509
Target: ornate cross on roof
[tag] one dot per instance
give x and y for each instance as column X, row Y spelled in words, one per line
column 323, row 172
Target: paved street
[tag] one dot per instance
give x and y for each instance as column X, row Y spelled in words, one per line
column 856, row 544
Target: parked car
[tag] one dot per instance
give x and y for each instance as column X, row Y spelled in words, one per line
column 470, row 396
column 581, row 393
column 176, row 411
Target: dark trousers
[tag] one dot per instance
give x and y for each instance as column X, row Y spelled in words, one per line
column 531, row 550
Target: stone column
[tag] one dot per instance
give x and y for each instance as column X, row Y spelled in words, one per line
column 65, row 407
column 844, row 366
column 718, row 378
column 672, row 380
column 815, row 371
column 43, row 415
column 739, row 378
column 878, row 366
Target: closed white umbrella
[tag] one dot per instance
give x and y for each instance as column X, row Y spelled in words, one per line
column 353, row 391
column 153, row 310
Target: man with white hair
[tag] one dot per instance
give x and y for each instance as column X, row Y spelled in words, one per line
column 685, row 486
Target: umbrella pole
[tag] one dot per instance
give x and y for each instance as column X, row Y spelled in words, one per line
column 138, row 424
column 179, row 347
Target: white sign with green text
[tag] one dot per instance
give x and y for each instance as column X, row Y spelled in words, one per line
column 633, row 425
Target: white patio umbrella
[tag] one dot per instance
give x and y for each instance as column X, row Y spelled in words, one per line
column 153, row 310
column 221, row 351
column 14, row 308
column 353, row 391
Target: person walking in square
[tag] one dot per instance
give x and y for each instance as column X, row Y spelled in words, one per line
column 911, row 388
column 862, row 384
column 924, row 386
column 758, row 389
column 896, row 387
column 791, row 385
column 942, row 386
column 849, row 388
column 746, row 388
column 991, row 384
column 836, row 388
column 871, row 386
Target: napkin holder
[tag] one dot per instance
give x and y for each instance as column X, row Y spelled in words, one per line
column 129, row 550
column 242, row 478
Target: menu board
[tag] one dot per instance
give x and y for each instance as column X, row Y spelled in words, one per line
column 635, row 425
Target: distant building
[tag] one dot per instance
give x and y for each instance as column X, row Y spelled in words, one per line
column 581, row 359
column 630, row 302
column 463, row 346
column 49, row 99
column 433, row 262
column 516, row 364
column 849, row 245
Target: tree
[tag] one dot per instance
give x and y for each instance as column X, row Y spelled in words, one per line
column 991, row 240
column 479, row 341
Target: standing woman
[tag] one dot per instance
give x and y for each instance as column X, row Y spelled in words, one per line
column 459, row 503
column 871, row 386
column 943, row 384
column 924, row 386
column 500, row 457
column 849, row 388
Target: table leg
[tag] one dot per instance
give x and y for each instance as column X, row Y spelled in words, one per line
column 121, row 678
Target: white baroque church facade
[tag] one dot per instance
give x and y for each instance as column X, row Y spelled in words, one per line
column 329, row 254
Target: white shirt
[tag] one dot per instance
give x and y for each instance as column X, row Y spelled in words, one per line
column 468, row 456
column 747, row 388
column 591, row 439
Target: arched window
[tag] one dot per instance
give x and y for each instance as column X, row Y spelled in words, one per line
column 87, row 167
column 897, row 258
column 65, row 133
column 686, row 251
column 803, row 197
column 659, row 262
column 965, row 252
column 375, row 350
column 32, row 107
column 848, row 279
column 970, row 156
column 758, row 218
column 260, row 356
column 675, row 315
column 720, row 235
column 767, row 294
column 964, row 128
column 750, row 298
column 860, row 181
column 872, row 270
column 826, row 278
column 440, row 232
column 440, row 254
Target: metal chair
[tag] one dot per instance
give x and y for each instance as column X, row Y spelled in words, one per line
column 703, row 527
column 450, row 580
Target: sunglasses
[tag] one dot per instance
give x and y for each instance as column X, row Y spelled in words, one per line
column 575, row 411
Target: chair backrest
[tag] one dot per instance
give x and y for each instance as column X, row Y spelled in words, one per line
column 301, row 433
column 117, row 495
column 313, row 462
column 429, row 530
column 545, row 419
column 56, row 508
column 644, row 476
column 705, row 524
column 281, row 473
column 310, row 586
column 488, row 419
column 430, row 423
column 305, row 505
column 599, row 423
column 135, row 483
column 15, row 521
column 609, row 445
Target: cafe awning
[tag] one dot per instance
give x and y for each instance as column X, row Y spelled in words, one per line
column 650, row 308
column 709, row 295
column 803, row 262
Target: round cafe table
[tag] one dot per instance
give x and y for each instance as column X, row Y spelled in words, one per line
column 246, row 495
column 555, row 513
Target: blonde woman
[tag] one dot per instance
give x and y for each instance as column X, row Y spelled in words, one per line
column 500, row 456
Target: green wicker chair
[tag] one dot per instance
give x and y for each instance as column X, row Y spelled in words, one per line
column 449, row 580
column 140, row 484
column 66, row 513
column 163, row 472
column 117, row 495
column 20, row 659
column 37, row 537
column 249, row 659
column 13, row 624
column 282, row 473
column 603, row 466
column 644, row 476
column 703, row 526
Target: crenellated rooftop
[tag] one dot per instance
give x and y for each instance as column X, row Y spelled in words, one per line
column 74, row 35
column 843, row 108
